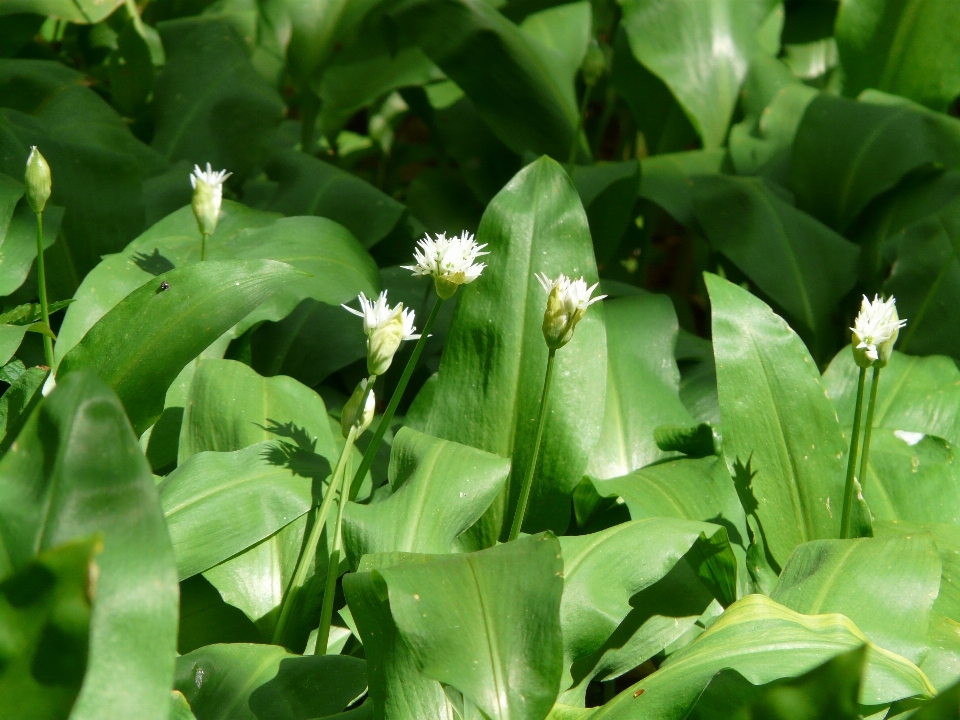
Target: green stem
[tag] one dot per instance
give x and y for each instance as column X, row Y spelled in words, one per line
column 333, row 572
column 305, row 560
column 531, row 468
column 394, row 402
column 203, row 245
column 42, row 282
column 852, row 459
column 576, row 134
column 867, row 431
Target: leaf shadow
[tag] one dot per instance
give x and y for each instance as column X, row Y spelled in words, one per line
column 299, row 456
column 743, row 482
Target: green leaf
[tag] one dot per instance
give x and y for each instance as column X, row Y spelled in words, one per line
column 491, row 373
column 642, row 384
column 265, row 682
column 45, row 620
column 179, row 707
column 203, row 300
column 916, row 394
column 205, row 619
column 666, row 180
column 486, row 623
column 900, row 48
column 210, row 103
column 27, row 84
column 764, row 641
column 440, row 489
column 10, row 338
column 847, row 152
column 511, row 76
column 608, row 193
column 900, row 575
column 801, row 264
column 694, row 441
column 18, row 234
column 679, row 43
column 219, row 504
column 77, row 11
column 778, row 425
column 16, row 404
column 631, row 590
column 76, row 470
column 30, row 313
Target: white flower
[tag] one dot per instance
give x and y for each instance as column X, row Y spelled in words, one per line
column 567, row 303
column 875, row 331
column 207, row 196
column 450, row 261
column 386, row 327
column 352, row 416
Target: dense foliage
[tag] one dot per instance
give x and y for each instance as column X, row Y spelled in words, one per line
column 736, row 174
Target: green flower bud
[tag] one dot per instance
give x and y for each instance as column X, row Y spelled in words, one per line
column 386, row 327
column 358, row 411
column 37, row 179
column 567, row 303
column 594, row 63
column 207, row 197
column 875, row 332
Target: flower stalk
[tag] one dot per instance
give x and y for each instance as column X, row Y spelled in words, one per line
column 38, row 188
column 868, row 430
column 852, row 459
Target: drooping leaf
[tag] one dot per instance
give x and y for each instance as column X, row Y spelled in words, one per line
column 440, row 489
column 76, row 470
column 491, row 374
column 201, row 302
column 778, row 425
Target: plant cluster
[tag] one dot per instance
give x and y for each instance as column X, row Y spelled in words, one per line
column 479, row 359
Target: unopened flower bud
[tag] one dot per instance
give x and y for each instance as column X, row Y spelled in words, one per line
column 207, row 197
column 875, row 332
column 385, row 328
column 37, row 179
column 567, row 303
column 594, row 63
column 358, row 412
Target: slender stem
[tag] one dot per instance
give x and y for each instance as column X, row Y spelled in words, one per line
column 531, row 468
column 333, row 572
column 852, row 459
column 576, row 134
column 868, row 429
column 42, row 282
column 203, row 245
column 394, row 402
column 310, row 549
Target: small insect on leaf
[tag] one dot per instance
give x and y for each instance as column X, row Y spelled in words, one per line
column 163, row 286
column 638, row 693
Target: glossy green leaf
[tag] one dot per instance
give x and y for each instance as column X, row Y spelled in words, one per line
column 801, row 264
column 608, row 193
column 779, row 428
column 202, row 302
column 45, row 620
column 898, row 47
column 265, row 682
column 642, row 387
column 16, row 404
column 764, row 641
column 679, row 43
column 78, row 11
column 900, row 575
column 210, row 104
column 491, row 374
column 76, row 470
column 205, row 619
column 847, row 152
column 916, row 394
column 179, row 707
column 219, row 504
column 666, row 180
column 486, row 623
column 18, row 235
column 631, row 590
column 440, row 489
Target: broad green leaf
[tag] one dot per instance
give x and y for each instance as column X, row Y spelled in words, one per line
column 77, row 11
column 18, row 236
column 901, row 576
column 942, row 707
column 916, row 394
column 205, row 619
column 666, row 180
column 75, row 471
column 511, row 77
column 440, row 489
column 486, row 623
column 608, row 193
column 491, row 374
column 828, row 691
column 316, row 29
column 45, row 621
column 642, row 384
column 701, row 50
column 10, row 338
column 179, row 707
column 26, row 84
column 141, row 345
column 210, row 104
column 925, row 276
column 565, row 30
column 265, row 682
column 899, row 47
column 848, row 152
column 764, row 641
column 801, row 264
column 778, row 424
column 218, row 504
column 16, row 404
column 615, row 612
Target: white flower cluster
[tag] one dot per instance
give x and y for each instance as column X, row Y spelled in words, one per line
column 567, row 303
column 449, row 261
column 207, row 196
column 386, row 327
column 875, row 331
